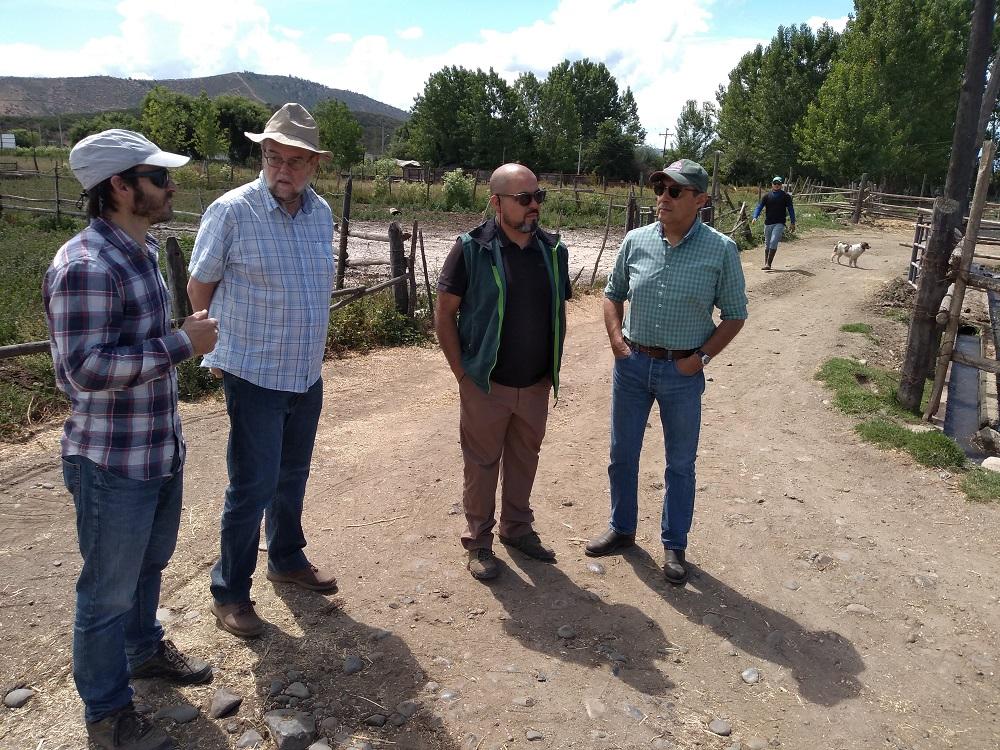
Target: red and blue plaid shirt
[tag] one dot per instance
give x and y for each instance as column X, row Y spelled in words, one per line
column 114, row 352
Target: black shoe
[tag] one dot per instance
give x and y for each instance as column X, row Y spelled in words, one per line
column 674, row 568
column 169, row 663
column 127, row 730
column 530, row 545
column 608, row 542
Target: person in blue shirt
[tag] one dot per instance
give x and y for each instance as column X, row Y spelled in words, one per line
column 777, row 208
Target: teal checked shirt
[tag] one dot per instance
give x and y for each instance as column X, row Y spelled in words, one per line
column 672, row 290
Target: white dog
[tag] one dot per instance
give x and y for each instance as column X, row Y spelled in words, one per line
column 853, row 252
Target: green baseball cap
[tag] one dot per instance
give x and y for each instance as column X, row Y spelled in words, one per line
column 777, row 179
column 684, row 172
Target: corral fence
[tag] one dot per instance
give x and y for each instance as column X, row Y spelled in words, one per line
column 400, row 264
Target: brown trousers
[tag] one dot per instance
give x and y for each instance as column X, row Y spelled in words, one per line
column 501, row 432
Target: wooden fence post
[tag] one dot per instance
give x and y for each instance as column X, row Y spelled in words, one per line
column 397, row 267
column 715, row 178
column 177, row 279
column 427, row 281
column 411, row 308
column 345, row 223
column 856, row 216
column 58, row 210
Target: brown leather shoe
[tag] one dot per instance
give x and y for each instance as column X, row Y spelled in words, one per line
column 482, row 564
column 239, row 619
column 127, row 730
column 310, row 577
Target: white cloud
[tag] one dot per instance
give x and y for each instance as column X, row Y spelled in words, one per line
column 837, row 24
column 414, row 32
column 289, row 33
column 339, row 37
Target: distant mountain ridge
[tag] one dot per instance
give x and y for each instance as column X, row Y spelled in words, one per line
column 33, row 97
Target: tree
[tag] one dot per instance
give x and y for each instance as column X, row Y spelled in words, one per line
column 594, row 91
column 768, row 93
column 103, row 121
column 695, row 132
column 209, row 140
column 168, row 119
column 239, row 115
column 610, row 153
column 339, row 132
column 887, row 105
column 24, row 137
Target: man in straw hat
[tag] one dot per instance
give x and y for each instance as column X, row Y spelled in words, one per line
column 263, row 264
column 115, row 356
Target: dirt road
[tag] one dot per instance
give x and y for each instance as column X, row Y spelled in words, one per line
column 861, row 586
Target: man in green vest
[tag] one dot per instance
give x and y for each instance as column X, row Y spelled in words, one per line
column 501, row 321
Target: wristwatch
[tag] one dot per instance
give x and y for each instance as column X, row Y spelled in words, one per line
column 705, row 358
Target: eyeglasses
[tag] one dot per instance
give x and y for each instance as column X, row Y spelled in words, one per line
column 674, row 191
column 295, row 163
column 525, row 198
column 160, row 176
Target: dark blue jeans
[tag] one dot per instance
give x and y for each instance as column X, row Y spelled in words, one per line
column 637, row 381
column 127, row 530
column 271, row 440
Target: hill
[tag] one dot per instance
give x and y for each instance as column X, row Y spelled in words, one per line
column 36, row 97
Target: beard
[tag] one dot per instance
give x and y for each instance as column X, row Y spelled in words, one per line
column 148, row 207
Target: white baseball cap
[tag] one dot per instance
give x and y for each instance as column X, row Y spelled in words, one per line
column 97, row 157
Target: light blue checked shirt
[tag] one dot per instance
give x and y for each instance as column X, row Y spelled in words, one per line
column 275, row 275
column 672, row 290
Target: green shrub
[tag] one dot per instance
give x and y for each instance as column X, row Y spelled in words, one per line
column 457, row 192
column 371, row 322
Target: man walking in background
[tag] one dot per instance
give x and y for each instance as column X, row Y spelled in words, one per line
column 501, row 321
column 672, row 273
column 778, row 208
column 263, row 264
column 115, row 356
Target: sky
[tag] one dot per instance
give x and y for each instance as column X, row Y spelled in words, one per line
column 666, row 51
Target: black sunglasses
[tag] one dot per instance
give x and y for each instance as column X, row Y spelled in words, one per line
column 674, row 191
column 159, row 176
column 525, row 198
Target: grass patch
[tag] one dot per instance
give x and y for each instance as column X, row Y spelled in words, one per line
column 930, row 448
column 863, row 390
column 900, row 316
column 857, row 328
column 981, row 485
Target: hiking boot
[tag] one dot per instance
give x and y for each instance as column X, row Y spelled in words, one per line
column 530, row 545
column 482, row 564
column 239, row 619
column 310, row 577
column 169, row 663
column 608, row 542
column 127, row 730
column 674, row 568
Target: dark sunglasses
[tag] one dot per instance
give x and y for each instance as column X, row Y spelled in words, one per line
column 674, row 191
column 159, row 176
column 525, row 198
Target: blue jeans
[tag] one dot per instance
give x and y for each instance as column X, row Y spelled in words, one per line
column 637, row 381
column 772, row 235
column 127, row 530
column 271, row 436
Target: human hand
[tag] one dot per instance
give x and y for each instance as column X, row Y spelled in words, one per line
column 216, row 373
column 202, row 330
column 620, row 349
column 690, row 365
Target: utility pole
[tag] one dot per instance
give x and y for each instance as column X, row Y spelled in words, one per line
column 665, row 133
column 382, row 122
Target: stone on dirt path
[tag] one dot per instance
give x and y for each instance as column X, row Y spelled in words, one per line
column 181, row 713
column 720, row 727
column 249, row 739
column 224, row 702
column 17, row 698
column 291, row 730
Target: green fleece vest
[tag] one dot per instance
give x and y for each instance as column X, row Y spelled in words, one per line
column 480, row 315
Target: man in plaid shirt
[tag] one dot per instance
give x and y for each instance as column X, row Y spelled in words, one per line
column 673, row 273
column 115, row 355
column 263, row 261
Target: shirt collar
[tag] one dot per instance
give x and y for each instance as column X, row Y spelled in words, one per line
column 690, row 233
column 308, row 204
column 118, row 237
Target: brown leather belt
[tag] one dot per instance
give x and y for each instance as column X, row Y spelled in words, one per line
column 658, row 352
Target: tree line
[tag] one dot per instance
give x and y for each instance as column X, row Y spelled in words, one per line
column 880, row 99
column 576, row 117
column 209, row 128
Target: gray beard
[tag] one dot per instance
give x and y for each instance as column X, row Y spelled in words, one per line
column 528, row 226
